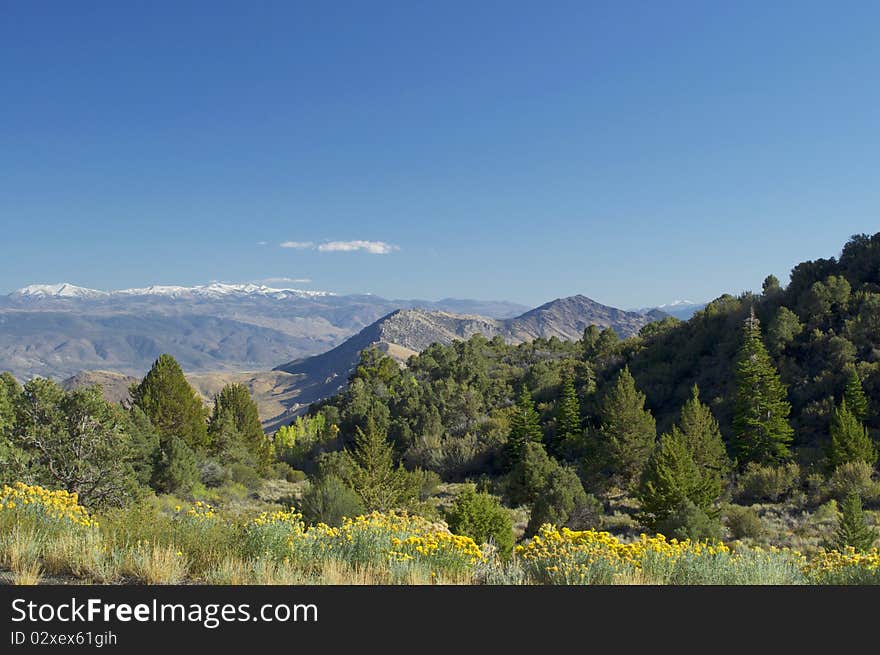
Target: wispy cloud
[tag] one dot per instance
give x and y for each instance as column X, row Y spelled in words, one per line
column 285, row 280
column 372, row 247
column 261, row 243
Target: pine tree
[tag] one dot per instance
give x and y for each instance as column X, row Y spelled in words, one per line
column 855, row 397
column 171, row 404
column 234, row 408
column 628, row 431
column 671, row 477
column 853, row 529
column 525, row 426
column 174, row 470
column 849, row 439
column 568, row 413
column 761, row 430
column 703, row 438
column 380, row 483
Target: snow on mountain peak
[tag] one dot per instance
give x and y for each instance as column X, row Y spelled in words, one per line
column 61, row 290
column 212, row 290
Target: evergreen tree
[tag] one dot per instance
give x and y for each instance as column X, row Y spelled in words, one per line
column 703, row 438
column 380, row 483
column 761, row 430
column 849, row 439
column 525, row 425
column 853, row 529
column 568, row 413
column 174, row 470
column 172, row 405
column 628, row 431
column 672, row 477
column 855, row 397
column 235, row 419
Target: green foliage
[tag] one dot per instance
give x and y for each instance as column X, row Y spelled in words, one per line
column 483, row 518
column 687, row 521
column 628, row 431
column 172, row 405
column 568, row 414
column 744, row 522
column 702, row 435
column 760, row 422
column 525, row 426
column 175, row 470
column 552, row 491
column 782, row 330
column 855, row 398
column 853, row 529
column 671, row 477
column 381, row 484
column 235, row 425
column 329, row 500
column 854, row 477
column 767, row 483
column 849, row 439
column 76, row 441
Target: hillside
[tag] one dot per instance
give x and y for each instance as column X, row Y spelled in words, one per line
column 59, row 330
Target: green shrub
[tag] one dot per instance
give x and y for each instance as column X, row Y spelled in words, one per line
column 854, row 477
column 687, row 521
column 245, row 475
column 329, row 500
column 768, row 483
column 744, row 522
column 284, row 471
column 212, row 473
column 483, row 518
column 589, row 516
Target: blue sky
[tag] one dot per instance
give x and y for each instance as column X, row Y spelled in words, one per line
column 633, row 152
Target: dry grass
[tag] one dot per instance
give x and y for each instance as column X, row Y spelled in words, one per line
column 155, row 564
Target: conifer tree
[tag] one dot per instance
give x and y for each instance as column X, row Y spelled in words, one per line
column 568, row 413
column 761, row 430
column 380, row 483
column 234, row 408
column 850, row 441
column 628, row 431
column 853, row 529
column 672, row 477
column 855, row 397
column 171, row 404
column 525, row 425
column 703, row 437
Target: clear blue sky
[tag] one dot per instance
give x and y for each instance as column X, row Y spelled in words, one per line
column 633, row 152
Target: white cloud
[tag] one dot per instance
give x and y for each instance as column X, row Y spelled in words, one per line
column 261, row 243
column 299, row 245
column 372, row 247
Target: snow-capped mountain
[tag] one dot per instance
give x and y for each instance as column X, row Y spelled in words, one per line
column 212, row 290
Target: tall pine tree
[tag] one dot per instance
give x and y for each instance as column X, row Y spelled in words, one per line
column 672, row 477
column 628, row 431
column 568, row 413
column 853, row 529
column 525, row 426
column 171, row 404
column 849, row 439
column 703, row 437
column 855, row 397
column 760, row 423
column 235, row 418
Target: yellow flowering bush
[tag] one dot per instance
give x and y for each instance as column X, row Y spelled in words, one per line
column 271, row 533
column 564, row 556
column 388, row 538
column 60, row 507
column 845, row 567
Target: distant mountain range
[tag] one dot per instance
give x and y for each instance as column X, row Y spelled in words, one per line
column 222, row 333
column 680, row 309
column 58, row 330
